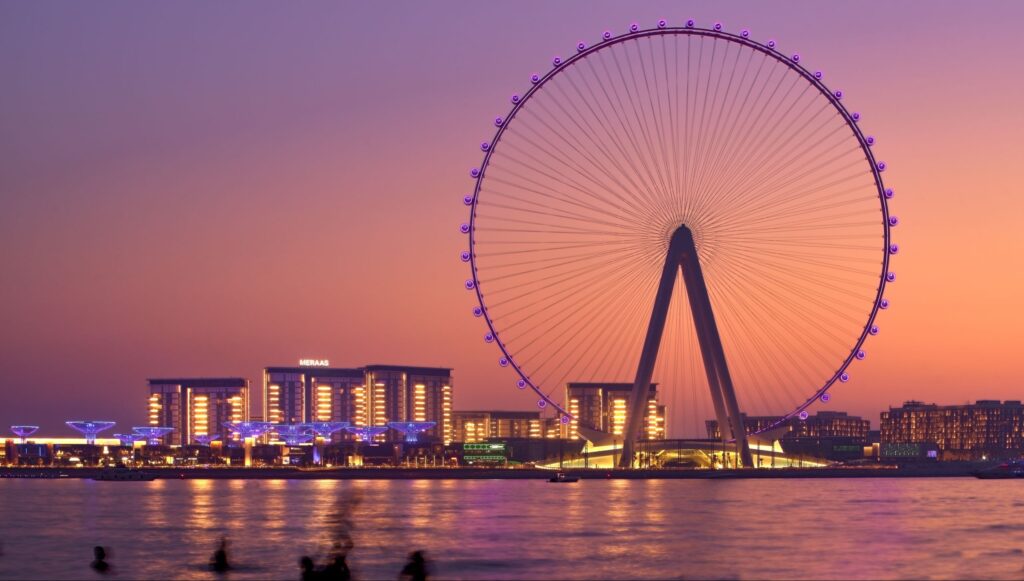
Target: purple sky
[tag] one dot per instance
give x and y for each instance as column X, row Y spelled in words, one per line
column 204, row 189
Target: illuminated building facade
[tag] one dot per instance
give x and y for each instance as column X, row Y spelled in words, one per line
column 365, row 396
column 398, row 393
column 603, row 407
column 304, row 394
column 824, row 424
column 197, row 406
column 478, row 426
column 984, row 428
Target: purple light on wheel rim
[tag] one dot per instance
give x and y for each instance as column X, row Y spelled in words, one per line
column 464, row 228
column 745, row 33
column 803, row 415
column 515, row 99
column 718, row 26
column 662, row 23
column 874, row 330
column 883, row 304
column 470, row 285
column 825, row 397
column 855, row 116
column 861, row 354
column 796, row 58
column 890, row 277
column 771, row 44
column 894, row 248
column 478, row 312
column 889, row 193
column 535, row 78
column 465, row 256
column 565, row 420
column 580, row 47
column 542, row 403
column 870, row 140
column 521, row 384
column 503, row 362
column 634, row 27
column 468, row 200
column 818, row 75
column 607, row 35
column 844, row 377
column 881, row 166
column 486, row 146
column 474, row 173
column 893, row 220
column 489, row 338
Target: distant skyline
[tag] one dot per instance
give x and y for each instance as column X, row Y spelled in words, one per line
column 191, row 189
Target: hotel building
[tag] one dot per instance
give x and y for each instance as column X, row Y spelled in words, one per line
column 477, row 426
column 366, row 396
column 824, row 424
column 295, row 395
column 603, row 407
column 987, row 427
column 197, row 406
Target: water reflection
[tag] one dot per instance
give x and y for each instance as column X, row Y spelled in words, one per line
column 514, row 529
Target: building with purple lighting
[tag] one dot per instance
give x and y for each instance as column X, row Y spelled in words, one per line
column 197, row 406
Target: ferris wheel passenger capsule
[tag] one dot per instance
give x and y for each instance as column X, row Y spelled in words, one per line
column 838, row 94
column 580, row 47
column 796, row 58
column 542, row 404
column 803, row 415
column 515, row 99
column 489, row 338
column 484, row 146
column 771, row 44
column 890, row 277
column 464, row 228
column 718, row 26
column 474, row 173
column 662, row 23
column 556, row 61
column 825, row 397
column 607, row 35
column 889, row 193
column 465, row 256
column 634, row 27
column 883, row 304
column 468, row 199
column 893, row 220
column 844, row 377
column 745, row 33
column 690, row 23
column 535, row 78
column 521, row 384
column 498, row 121
column 894, row 248
column 861, row 355
column 818, row 75
column 478, row 312
column 470, row 285
column 870, row 140
column 873, row 330
column 564, row 419
column 855, row 116
column 881, row 166
column 503, row 362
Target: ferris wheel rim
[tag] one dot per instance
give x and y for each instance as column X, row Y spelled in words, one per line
column 608, row 40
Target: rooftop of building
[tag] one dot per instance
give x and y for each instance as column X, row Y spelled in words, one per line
column 200, row 381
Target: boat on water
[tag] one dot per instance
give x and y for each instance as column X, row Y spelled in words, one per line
column 1013, row 469
column 562, row 477
column 123, row 475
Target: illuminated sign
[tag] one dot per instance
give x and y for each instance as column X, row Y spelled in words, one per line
column 314, row 363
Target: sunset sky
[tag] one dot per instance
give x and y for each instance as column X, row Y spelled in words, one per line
column 197, row 189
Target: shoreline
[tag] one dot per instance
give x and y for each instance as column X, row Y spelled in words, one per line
column 375, row 473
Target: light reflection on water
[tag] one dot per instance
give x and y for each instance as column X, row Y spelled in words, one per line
column 747, row 529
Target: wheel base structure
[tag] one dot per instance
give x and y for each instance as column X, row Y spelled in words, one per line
column 682, row 254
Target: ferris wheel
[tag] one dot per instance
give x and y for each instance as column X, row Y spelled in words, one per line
column 680, row 152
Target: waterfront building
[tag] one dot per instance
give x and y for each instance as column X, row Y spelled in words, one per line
column 313, row 393
column 478, row 426
column 822, row 425
column 400, row 393
column 197, row 406
column 603, row 407
column 986, row 428
column 373, row 395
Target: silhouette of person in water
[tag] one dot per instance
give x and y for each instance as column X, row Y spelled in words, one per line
column 306, row 566
column 100, row 564
column 337, row 569
column 219, row 560
column 416, row 568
